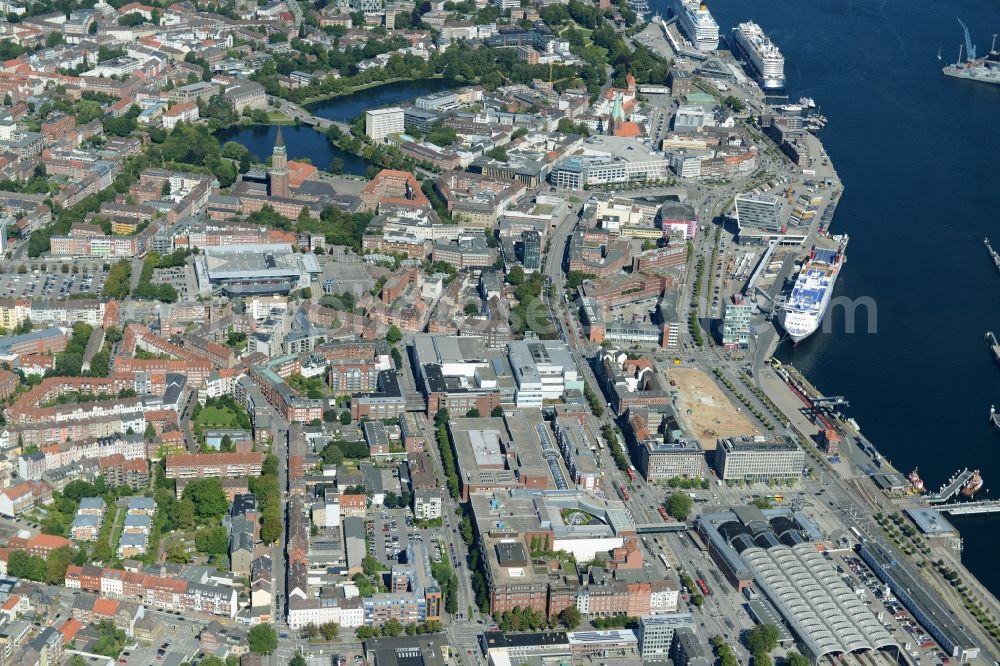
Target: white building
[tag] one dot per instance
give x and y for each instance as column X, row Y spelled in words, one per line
column 427, row 504
column 759, row 458
column 380, row 123
column 543, row 370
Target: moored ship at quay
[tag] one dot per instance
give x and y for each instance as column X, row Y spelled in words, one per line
column 763, row 57
column 697, row 24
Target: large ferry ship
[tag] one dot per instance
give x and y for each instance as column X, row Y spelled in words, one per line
column 697, row 24
column 804, row 309
column 762, row 55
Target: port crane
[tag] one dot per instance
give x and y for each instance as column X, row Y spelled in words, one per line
column 831, row 401
column 970, row 48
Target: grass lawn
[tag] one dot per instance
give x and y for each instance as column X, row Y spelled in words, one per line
column 216, row 417
column 278, row 118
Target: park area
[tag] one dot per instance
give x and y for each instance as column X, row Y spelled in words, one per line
column 217, row 417
column 706, row 410
column 222, row 412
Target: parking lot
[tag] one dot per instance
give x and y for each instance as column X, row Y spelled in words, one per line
column 896, row 619
column 54, row 283
column 389, row 533
column 181, row 278
column 178, row 639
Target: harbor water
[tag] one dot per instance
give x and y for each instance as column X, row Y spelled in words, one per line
column 305, row 142
column 917, row 152
column 301, row 141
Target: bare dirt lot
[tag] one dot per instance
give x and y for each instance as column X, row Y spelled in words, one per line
column 712, row 414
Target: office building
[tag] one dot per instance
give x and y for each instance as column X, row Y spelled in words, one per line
column 382, row 123
column 689, row 650
column 736, row 326
column 671, row 459
column 756, row 215
column 656, row 634
column 531, row 250
column 759, row 458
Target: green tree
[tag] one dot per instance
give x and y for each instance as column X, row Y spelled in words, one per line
column 515, row 276
column 393, row 335
column 111, row 639
column 208, row 496
column 212, row 540
column 794, row 658
column 762, row 639
column 570, row 617
column 465, row 529
column 263, row 639
column 183, row 513
column 296, row 660
column 393, row 628
column 370, row 565
column 177, row 554
column 345, row 418
column 22, row 565
column 451, row 604
column 270, row 525
column 330, row 630
column 497, row 412
column 679, row 505
column 56, row 563
column 332, row 454
column 472, row 414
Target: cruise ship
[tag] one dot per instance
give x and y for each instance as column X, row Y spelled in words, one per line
column 804, row 309
column 761, row 54
column 697, row 24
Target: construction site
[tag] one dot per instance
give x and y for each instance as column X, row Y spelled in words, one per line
column 705, row 409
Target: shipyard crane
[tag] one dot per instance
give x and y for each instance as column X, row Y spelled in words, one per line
column 970, row 48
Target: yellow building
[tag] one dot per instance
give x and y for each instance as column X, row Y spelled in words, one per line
column 124, row 227
column 13, row 312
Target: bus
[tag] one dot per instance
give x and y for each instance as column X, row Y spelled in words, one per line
column 776, row 498
column 663, row 514
column 704, row 588
column 631, row 473
column 664, row 560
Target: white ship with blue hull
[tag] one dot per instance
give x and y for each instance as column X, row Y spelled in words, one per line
column 697, row 24
column 803, row 311
column 762, row 56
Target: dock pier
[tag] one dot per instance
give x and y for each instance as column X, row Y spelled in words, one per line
column 951, row 488
column 994, row 347
column 970, row 508
column 993, row 253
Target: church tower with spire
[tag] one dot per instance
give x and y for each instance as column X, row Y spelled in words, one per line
column 617, row 114
column 279, row 168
